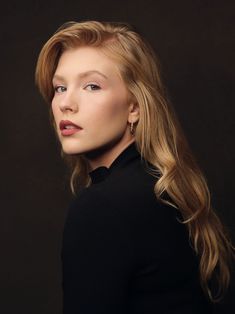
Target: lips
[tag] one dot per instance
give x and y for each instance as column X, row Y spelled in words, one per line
column 68, row 127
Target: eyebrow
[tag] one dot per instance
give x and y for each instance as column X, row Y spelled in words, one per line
column 82, row 75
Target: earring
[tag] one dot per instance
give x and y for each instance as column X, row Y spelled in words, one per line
column 132, row 128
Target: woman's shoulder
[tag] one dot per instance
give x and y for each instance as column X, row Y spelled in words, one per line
column 136, row 216
column 89, row 200
column 127, row 199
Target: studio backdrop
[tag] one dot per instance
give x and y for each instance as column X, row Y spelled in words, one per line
column 194, row 41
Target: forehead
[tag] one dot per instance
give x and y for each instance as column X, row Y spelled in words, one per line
column 85, row 59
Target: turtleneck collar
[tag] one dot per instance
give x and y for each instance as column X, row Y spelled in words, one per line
column 127, row 155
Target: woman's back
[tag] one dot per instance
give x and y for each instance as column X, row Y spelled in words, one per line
column 125, row 252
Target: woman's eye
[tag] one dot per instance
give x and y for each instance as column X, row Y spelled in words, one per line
column 92, row 87
column 60, row 89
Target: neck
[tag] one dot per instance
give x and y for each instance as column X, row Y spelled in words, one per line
column 105, row 156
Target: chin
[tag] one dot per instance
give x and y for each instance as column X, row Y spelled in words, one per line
column 91, row 148
column 70, row 150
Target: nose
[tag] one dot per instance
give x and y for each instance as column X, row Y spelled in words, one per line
column 68, row 103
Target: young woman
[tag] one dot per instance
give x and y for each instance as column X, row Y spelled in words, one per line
column 141, row 235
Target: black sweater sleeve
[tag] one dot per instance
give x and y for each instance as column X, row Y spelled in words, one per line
column 97, row 257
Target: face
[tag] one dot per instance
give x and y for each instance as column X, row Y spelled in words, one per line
column 90, row 104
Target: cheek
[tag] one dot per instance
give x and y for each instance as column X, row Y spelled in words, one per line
column 112, row 110
column 105, row 119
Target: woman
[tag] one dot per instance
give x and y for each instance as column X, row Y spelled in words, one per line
column 140, row 236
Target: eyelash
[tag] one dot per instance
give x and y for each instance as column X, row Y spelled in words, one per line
column 56, row 88
column 97, row 87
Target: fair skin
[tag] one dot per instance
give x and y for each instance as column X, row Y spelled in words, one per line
column 90, row 93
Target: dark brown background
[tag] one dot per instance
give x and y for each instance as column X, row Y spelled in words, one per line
column 195, row 43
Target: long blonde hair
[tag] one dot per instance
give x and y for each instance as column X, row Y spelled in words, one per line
column 159, row 138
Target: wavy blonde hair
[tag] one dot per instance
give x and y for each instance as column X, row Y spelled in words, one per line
column 159, row 138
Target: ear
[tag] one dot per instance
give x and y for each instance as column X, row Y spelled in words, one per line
column 134, row 112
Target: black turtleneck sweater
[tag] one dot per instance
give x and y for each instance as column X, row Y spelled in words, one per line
column 126, row 252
